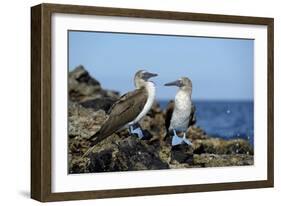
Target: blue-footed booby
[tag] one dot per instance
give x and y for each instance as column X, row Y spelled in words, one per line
column 129, row 109
column 180, row 117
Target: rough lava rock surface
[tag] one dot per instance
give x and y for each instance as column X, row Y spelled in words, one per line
column 86, row 90
column 88, row 106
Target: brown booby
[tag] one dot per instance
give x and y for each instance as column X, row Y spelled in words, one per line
column 180, row 117
column 129, row 109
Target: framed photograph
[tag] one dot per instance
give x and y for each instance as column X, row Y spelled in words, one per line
column 130, row 102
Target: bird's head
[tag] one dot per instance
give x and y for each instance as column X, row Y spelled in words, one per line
column 143, row 76
column 183, row 83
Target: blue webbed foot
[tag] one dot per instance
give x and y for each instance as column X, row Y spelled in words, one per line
column 187, row 141
column 136, row 131
column 176, row 140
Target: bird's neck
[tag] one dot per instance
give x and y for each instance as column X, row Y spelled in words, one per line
column 150, row 88
column 182, row 98
column 184, row 93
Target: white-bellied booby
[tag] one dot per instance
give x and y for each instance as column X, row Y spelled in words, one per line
column 181, row 116
column 129, row 109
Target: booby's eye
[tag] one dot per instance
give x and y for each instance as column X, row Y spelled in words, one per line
column 180, row 82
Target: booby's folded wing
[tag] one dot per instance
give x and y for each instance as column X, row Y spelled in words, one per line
column 125, row 110
column 169, row 113
column 192, row 117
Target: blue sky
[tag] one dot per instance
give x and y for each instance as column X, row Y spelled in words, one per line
column 220, row 69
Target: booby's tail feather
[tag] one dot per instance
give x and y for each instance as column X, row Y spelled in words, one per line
column 95, row 136
column 96, row 139
column 87, row 152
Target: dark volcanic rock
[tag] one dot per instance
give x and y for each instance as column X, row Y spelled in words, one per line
column 102, row 161
column 214, row 160
column 128, row 155
column 97, row 104
column 82, row 86
column 221, row 146
column 123, row 152
column 83, row 122
column 182, row 153
column 120, row 151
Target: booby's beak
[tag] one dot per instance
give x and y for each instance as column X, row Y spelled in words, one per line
column 148, row 75
column 174, row 83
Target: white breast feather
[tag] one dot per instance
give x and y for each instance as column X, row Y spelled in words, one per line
column 150, row 87
column 182, row 110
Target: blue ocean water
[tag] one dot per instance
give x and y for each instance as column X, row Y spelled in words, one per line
column 225, row 119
